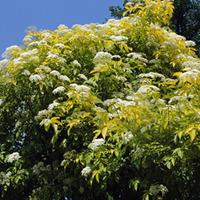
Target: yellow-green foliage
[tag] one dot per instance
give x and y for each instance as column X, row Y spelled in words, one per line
column 102, row 111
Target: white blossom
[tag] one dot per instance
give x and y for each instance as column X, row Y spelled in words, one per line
column 127, row 137
column 42, row 114
column 189, row 75
column 55, row 73
column 195, row 64
column 55, row 56
column 177, row 99
column 33, row 44
column 1, row 102
column 102, row 57
column 62, row 26
column 18, row 61
column 43, row 68
column 60, row 45
column 26, row 72
column 13, row 157
column 28, row 38
column 53, row 105
column 116, row 57
column 190, row 43
column 137, row 56
column 147, row 88
column 175, row 36
column 96, row 143
column 52, row 55
column 76, row 63
column 64, row 78
column 3, row 64
column 46, row 35
column 29, row 53
column 35, row 78
column 86, row 171
column 81, row 89
column 152, row 75
column 118, row 38
column 82, row 76
column 10, row 51
column 58, row 90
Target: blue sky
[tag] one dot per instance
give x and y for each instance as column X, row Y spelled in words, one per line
column 17, row 15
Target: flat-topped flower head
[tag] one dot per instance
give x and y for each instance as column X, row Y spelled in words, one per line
column 55, row 73
column 3, row 64
column 64, row 78
column 53, row 105
column 102, row 57
column 152, row 75
column 86, row 171
column 148, row 88
column 58, row 90
column 76, row 63
column 10, row 51
column 13, row 157
column 35, row 78
column 96, row 143
column 119, row 38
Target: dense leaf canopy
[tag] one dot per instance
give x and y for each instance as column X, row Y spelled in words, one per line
column 102, row 111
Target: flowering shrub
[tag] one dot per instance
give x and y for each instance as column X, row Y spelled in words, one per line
column 102, row 111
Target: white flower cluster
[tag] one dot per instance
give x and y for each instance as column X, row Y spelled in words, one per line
column 96, row 143
column 119, row 38
column 102, row 57
column 127, row 137
column 10, row 51
column 28, row 38
column 60, row 45
column 42, row 114
column 81, row 89
column 26, row 72
column 64, row 78
column 58, row 90
column 152, row 75
column 62, row 29
column 118, row 101
column 18, row 61
column 86, row 171
column 53, row 105
column 82, row 76
column 13, row 157
column 76, row 63
column 191, row 64
column 3, row 64
column 35, row 78
column 189, row 75
column 137, row 56
column 38, row 168
column 43, row 68
column 55, row 56
column 55, row 73
column 177, row 99
column 190, row 43
column 46, row 35
column 29, row 53
column 148, row 88
column 1, row 102
column 175, row 36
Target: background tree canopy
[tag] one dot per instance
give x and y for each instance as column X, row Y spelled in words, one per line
column 185, row 20
column 102, row 111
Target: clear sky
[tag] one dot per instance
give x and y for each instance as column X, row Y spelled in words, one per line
column 17, row 15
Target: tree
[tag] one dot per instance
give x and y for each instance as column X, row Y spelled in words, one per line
column 185, row 20
column 102, row 111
